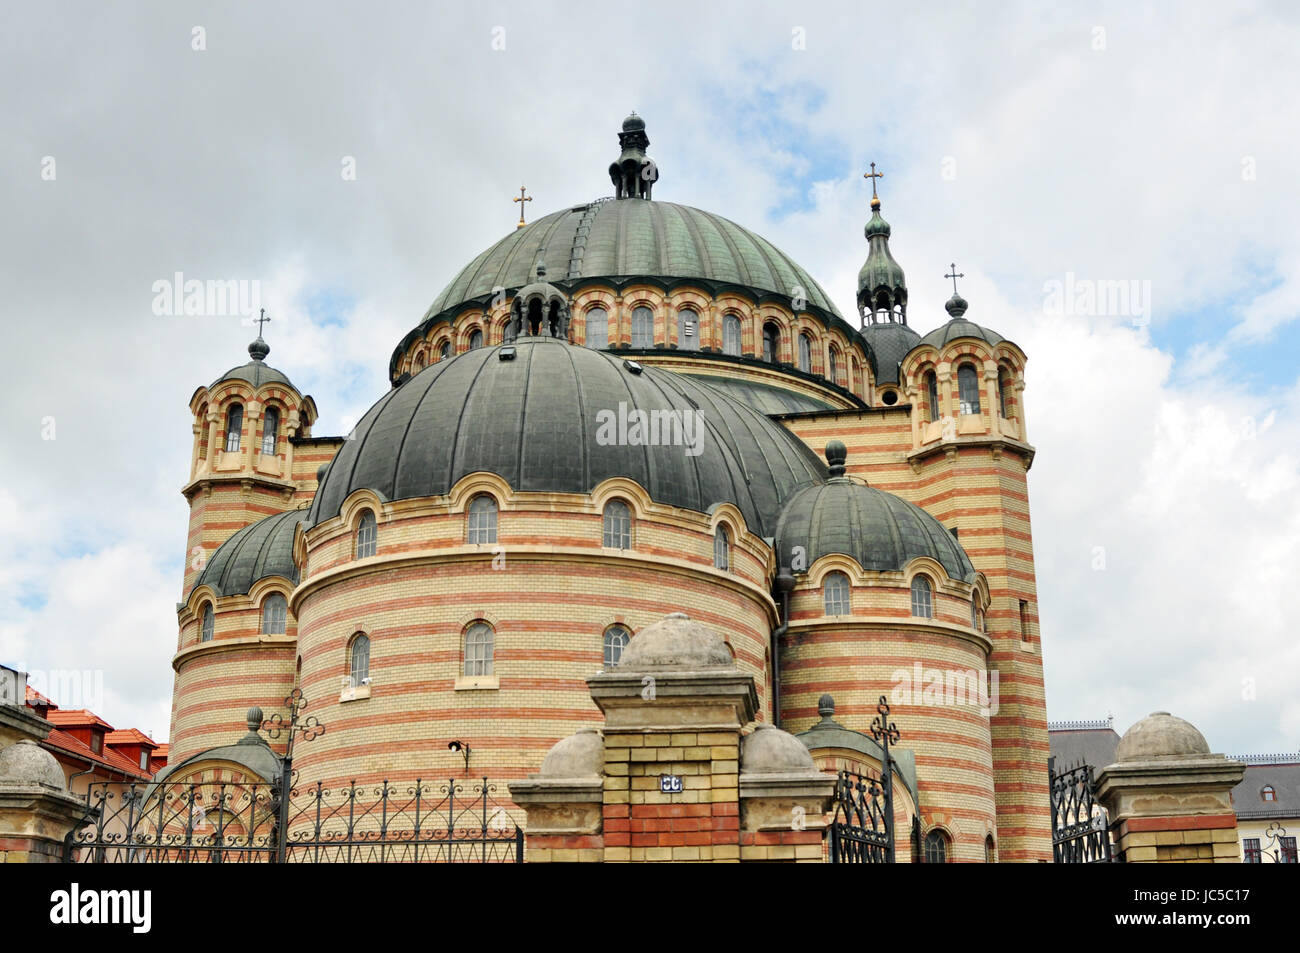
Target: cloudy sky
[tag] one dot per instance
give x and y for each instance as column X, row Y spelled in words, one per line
column 1112, row 143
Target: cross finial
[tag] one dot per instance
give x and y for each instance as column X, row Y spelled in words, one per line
column 521, row 198
column 873, row 175
column 954, row 276
column 261, row 320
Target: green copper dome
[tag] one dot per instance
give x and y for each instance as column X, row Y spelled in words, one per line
column 882, row 287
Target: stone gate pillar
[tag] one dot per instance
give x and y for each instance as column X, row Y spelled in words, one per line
column 672, row 777
column 1168, row 798
column 36, row 810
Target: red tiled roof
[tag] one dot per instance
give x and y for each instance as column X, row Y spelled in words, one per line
column 111, row 760
column 77, row 717
column 35, row 698
column 129, row 736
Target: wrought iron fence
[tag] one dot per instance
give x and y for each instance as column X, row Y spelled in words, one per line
column 231, row 822
column 861, row 829
column 1080, row 827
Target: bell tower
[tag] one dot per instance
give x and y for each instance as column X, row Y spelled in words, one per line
column 243, row 465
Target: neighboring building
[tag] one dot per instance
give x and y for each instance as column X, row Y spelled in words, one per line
column 1266, row 802
column 91, row 752
column 620, row 410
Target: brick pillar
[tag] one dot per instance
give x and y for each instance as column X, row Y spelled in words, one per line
column 667, row 774
column 36, row 811
column 1169, row 798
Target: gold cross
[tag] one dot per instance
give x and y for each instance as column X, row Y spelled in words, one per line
column 873, row 175
column 521, row 199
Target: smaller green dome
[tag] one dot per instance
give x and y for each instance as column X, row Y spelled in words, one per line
column 255, row 372
column 256, row 552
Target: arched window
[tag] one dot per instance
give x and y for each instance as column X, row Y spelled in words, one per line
column 234, row 424
column 974, row 614
column 968, row 389
column 936, row 847
column 209, row 623
column 480, row 649
column 274, row 613
column 836, row 594
column 805, row 353
column 617, row 531
column 921, row 606
column 722, row 549
column 1268, row 793
column 476, row 340
column 616, row 639
column 932, row 394
column 597, row 328
column 643, row 327
column 1004, row 386
column 688, row 326
column 771, row 342
column 444, row 352
column 731, row 335
column 837, row 366
column 367, row 533
column 482, row 520
column 359, row 660
column 990, row 850
column 270, row 430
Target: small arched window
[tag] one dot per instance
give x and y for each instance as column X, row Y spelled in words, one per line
column 444, row 351
column 476, row 340
column 805, row 353
column 936, row 847
column 1268, row 793
column 234, row 425
column 359, row 660
column 209, row 623
column 968, row 389
column 990, row 850
column 270, row 431
column 367, row 534
column 722, row 549
column 482, row 520
column 643, row 327
column 837, row 366
column 616, row 639
column 771, row 342
column 836, row 594
column 617, row 529
column 688, row 327
column 932, row 394
column 480, row 649
column 1004, row 388
column 975, row 614
column 731, row 335
column 597, row 328
column 275, row 611
column 921, row 605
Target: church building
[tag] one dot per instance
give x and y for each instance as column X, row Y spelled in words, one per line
column 624, row 409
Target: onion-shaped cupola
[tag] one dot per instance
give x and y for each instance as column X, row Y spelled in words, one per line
column 539, row 310
column 882, row 289
column 634, row 173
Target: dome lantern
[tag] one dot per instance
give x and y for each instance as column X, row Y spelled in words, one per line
column 882, row 288
column 633, row 173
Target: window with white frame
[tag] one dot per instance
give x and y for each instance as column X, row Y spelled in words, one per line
column 643, row 327
column 722, row 548
column 275, row 613
column 968, row 389
column 615, row 641
column 482, row 520
column 805, row 353
column 835, row 596
column 367, row 534
column 234, row 426
column 731, row 335
column 359, row 660
column 480, row 649
column 617, row 528
column 921, row 603
column 598, row 328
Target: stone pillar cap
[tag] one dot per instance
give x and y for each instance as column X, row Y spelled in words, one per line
column 26, row 762
column 1161, row 735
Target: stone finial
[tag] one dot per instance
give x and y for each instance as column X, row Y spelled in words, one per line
column 836, row 455
column 676, row 642
column 826, row 707
column 1161, row 735
column 26, row 762
column 254, row 719
column 769, row 750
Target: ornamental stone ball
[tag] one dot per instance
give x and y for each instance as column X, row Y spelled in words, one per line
column 26, row 762
column 676, row 642
column 769, row 750
column 254, row 719
column 581, row 755
column 1161, row 735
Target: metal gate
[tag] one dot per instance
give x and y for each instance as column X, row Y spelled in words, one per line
column 862, row 821
column 1080, row 827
